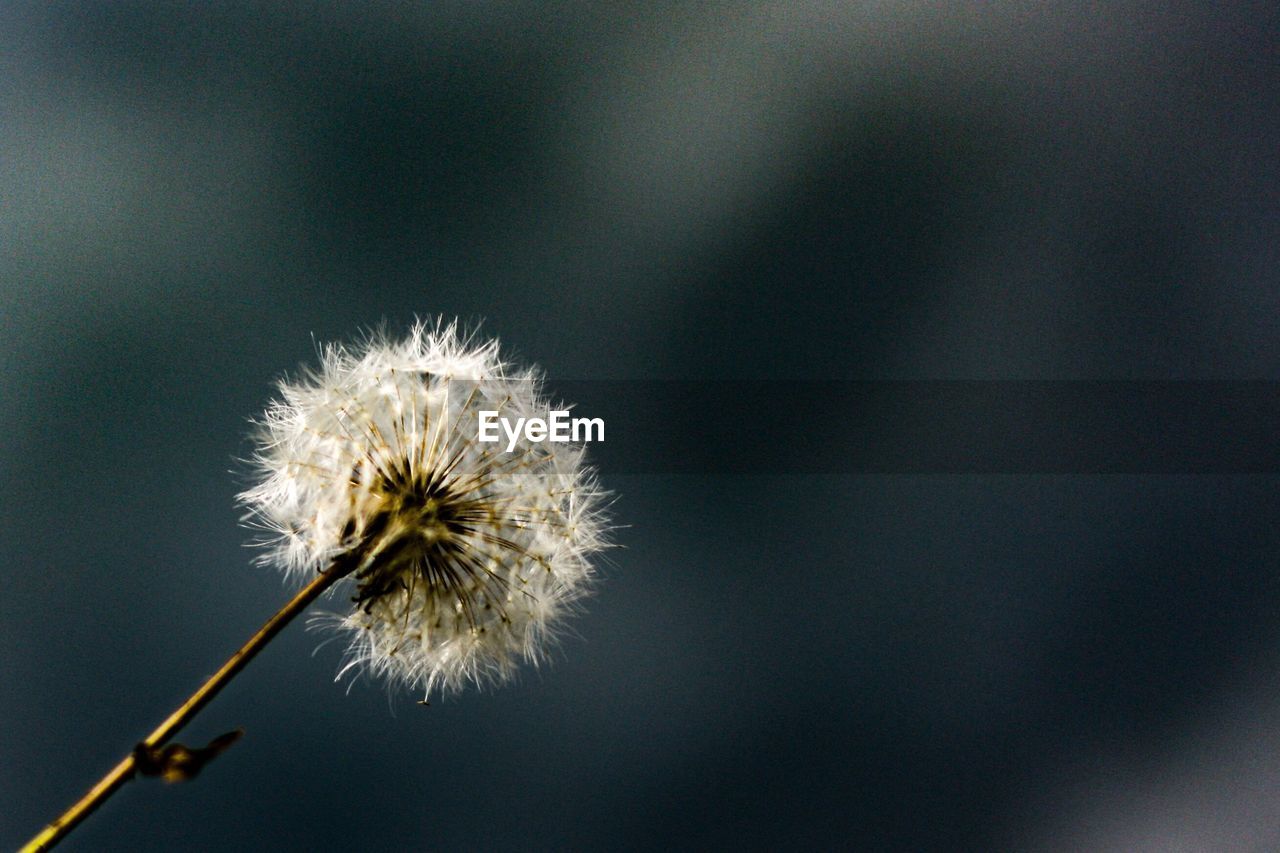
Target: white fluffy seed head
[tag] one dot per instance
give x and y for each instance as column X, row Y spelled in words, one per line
column 465, row 555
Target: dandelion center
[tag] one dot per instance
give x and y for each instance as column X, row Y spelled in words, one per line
column 418, row 540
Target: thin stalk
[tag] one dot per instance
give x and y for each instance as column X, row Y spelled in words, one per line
column 125, row 770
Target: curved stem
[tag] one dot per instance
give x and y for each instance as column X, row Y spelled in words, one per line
column 124, row 771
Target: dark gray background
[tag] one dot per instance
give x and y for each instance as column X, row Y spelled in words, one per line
column 791, row 190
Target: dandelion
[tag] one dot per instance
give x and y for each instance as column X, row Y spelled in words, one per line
column 464, row 554
column 460, row 557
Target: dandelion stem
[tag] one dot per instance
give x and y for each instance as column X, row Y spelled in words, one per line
column 126, row 769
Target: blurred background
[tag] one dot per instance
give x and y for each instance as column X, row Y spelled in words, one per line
column 192, row 195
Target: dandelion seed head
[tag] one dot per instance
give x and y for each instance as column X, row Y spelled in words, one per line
column 464, row 556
